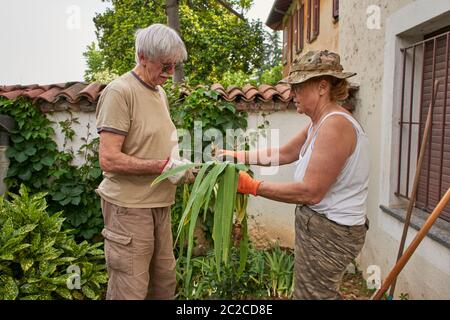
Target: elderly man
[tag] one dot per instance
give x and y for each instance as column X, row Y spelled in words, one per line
column 136, row 144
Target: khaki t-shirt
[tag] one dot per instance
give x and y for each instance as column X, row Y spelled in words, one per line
column 129, row 107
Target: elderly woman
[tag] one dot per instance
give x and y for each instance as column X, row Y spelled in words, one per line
column 135, row 131
column 330, row 181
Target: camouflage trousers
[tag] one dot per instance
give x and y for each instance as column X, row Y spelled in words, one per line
column 323, row 250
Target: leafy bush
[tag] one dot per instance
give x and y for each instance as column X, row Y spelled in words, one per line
column 36, row 162
column 270, row 76
column 35, row 254
column 214, row 38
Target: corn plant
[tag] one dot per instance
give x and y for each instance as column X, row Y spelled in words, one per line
column 219, row 181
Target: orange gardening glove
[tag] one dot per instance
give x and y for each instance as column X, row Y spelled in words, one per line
column 246, row 184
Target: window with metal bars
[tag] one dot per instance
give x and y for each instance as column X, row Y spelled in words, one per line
column 422, row 64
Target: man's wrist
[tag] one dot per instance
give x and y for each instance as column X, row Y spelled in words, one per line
column 162, row 164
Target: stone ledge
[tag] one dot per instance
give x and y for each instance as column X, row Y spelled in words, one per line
column 439, row 232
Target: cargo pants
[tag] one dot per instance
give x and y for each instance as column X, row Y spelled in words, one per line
column 139, row 253
column 323, row 250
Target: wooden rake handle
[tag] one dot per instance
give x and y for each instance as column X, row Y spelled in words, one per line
column 413, row 246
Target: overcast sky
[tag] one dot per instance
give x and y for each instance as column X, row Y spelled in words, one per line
column 261, row 10
column 42, row 41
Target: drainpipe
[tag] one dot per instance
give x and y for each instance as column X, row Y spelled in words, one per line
column 6, row 125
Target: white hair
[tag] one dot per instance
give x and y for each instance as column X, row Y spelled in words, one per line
column 160, row 42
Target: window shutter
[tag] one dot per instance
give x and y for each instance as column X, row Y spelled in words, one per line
column 335, row 9
column 290, row 39
column 301, row 28
column 285, row 44
column 435, row 174
column 316, row 18
column 296, row 31
column 309, row 20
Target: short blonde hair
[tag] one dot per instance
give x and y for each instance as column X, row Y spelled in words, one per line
column 160, row 42
column 339, row 88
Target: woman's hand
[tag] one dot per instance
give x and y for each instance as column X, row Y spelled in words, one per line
column 238, row 155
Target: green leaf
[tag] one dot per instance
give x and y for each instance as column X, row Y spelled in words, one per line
column 24, row 229
column 7, row 256
column 230, row 107
column 26, row 263
column 88, row 292
column 64, row 293
column 28, row 288
column 16, row 138
column 32, row 297
column 48, row 160
column 37, row 166
column 31, row 151
column 76, row 201
column 174, row 171
column 65, row 201
column 25, row 175
column 27, row 135
column 58, row 196
column 11, row 152
column 7, row 228
column 8, row 288
column 95, row 173
column 35, row 242
column 20, row 157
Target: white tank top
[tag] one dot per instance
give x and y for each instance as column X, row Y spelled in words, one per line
column 346, row 200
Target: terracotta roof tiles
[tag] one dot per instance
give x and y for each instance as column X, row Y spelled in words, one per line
column 86, row 95
column 73, row 92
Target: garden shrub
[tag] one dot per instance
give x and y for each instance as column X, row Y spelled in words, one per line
column 36, row 256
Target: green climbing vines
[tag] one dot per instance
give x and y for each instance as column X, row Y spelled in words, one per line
column 36, row 162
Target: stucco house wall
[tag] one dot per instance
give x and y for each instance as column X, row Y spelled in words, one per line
column 374, row 54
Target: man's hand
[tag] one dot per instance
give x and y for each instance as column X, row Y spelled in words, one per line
column 246, row 184
column 185, row 176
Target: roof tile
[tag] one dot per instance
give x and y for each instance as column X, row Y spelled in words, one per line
column 14, row 93
column 73, row 92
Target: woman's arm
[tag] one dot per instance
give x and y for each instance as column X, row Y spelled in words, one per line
column 335, row 142
column 286, row 154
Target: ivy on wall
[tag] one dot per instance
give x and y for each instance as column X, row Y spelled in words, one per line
column 36, row 162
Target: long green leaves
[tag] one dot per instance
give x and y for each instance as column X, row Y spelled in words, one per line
column 224, row 178
column 174, row 171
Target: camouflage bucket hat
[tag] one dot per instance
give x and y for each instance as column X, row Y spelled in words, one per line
column 315, row 64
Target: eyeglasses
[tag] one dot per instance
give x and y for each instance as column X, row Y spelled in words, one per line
column 166, row 66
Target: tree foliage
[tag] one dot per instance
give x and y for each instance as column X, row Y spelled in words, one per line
column 217, row 40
